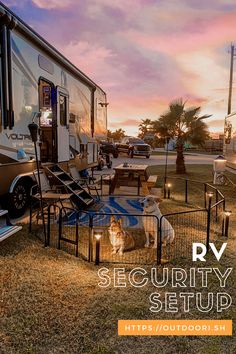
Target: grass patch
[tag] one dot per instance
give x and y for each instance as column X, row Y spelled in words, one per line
column 50, row 301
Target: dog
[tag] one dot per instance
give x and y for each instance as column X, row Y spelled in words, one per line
column 150, row 206
column 120, row 240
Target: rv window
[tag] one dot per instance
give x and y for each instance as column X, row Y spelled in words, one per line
column 62, row 101
column 45, row 64
column 45, row 95
column 72, row 118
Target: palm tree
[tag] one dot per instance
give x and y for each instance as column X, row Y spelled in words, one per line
column 144, row 127
column 117, row 135
column 184, row 125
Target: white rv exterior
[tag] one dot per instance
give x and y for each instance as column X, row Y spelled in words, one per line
column 230, row 140
column 38, row 82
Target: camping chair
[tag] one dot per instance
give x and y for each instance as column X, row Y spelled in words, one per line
column 88, row 182
column 50, row 196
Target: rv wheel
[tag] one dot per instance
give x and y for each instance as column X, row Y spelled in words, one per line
column 18, row 200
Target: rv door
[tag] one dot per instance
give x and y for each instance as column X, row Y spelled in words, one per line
column 63, row 148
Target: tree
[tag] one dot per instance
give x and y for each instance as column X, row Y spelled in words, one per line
column 145, row 127
column 184, row 125
column 117, row 135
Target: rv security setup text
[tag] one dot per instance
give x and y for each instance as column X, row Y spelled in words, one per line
column 171, row 302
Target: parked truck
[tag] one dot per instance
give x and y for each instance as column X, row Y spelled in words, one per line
column 37, row 82
column 134, row 147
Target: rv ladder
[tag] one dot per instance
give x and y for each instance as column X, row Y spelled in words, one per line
column 80, row 197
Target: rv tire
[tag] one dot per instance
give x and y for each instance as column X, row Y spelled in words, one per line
column 18, row 200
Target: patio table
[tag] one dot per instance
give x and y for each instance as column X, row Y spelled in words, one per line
column 124, row 173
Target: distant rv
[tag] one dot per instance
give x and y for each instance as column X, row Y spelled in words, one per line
column 38, row 83
column 230, row 140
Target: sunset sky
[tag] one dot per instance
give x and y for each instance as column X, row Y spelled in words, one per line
column 144, row 53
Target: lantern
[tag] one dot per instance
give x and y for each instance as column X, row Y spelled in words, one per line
column 219, row 169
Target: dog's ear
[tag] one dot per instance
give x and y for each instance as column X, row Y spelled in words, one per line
column 120, row 221
column 157, row 199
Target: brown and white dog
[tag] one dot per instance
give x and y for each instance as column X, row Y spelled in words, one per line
column 150, row 206
column 120, row 239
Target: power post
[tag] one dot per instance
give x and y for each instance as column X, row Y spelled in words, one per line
column 232, row 55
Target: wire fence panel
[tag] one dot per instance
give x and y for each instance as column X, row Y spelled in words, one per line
column 187, row 227
column 217, row 220
column 123, row 238
column 126, row 237
column 74, row 233
column 196, row 194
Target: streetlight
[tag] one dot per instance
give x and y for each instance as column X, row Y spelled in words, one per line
column 97, row 235
column 33, row 128
column 165, row 176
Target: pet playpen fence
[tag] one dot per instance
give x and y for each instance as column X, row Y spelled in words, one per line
column 74, row 230
column 75, row 233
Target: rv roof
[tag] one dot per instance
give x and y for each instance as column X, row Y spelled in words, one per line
column 27, row 31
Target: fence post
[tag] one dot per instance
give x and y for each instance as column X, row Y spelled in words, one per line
column 77, row 239
column 60, row 230
column 223, row 219
column 165, row 179
column 90, row 249
column 217, row 199
column 186, row 191
column 48, row 226
column 159, row 244
column 205, row 192
column 31, row 214
column 208, row 223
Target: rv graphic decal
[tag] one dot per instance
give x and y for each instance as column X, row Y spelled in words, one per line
column 15, row 136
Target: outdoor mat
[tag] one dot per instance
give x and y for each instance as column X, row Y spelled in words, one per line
column 96, row 207
column 110, row 205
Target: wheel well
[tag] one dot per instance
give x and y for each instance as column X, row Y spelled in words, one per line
column 25, row 179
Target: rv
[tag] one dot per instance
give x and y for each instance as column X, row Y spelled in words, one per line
column 39, row 84
column 230, row 140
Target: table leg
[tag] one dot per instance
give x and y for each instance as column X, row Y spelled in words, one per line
column 113, row 184
column 139, row 184
column 145, row 190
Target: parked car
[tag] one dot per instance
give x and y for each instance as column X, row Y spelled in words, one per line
column 134, row 147
column 107, row 147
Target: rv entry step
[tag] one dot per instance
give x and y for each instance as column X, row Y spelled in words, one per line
column 80, row 196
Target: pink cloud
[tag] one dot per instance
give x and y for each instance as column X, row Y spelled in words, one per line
column 217, row 123
column 53, row 4
column 125, row 123
column 214, row 32
column 143, row 55
column 87, row 56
